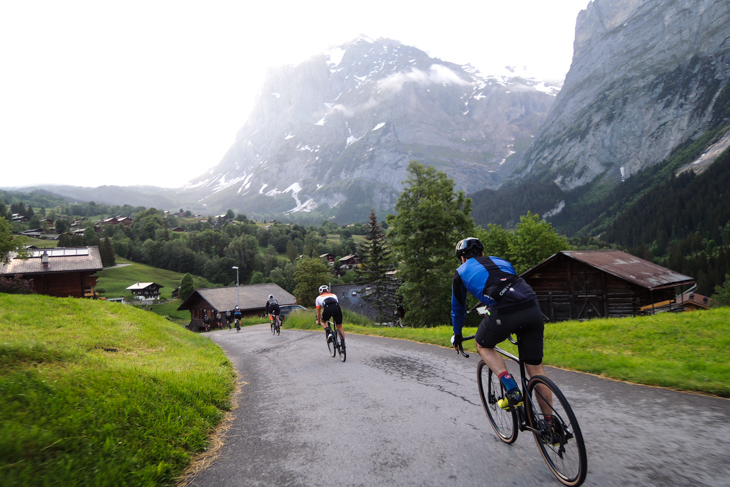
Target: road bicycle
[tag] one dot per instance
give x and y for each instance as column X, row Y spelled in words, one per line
column 237, row 323
column 276, row 325
column 560, row 442
column 337, row 344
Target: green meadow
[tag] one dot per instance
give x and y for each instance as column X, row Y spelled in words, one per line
column 97, row 393
column 686, row 351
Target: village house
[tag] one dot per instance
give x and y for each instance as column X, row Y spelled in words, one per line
column 349, row 261
column 251, row 299
column 585, row 284
column 60, row 272
column 145, row 290
column 330, row 258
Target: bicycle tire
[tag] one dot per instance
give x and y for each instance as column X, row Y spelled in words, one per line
column 273, row 328
column 341, row 348
column 333, row 346
column 562, row 448
column 278, row 326
column 491, row 390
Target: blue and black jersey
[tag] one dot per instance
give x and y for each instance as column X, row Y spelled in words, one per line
column 494, row 282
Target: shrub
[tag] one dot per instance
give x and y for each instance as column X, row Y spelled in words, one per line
column 16, row 285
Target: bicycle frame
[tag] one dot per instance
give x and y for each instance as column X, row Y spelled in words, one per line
column 525, row 413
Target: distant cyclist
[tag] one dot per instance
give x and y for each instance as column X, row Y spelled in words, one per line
column 218, row 320
column 229, row 318
column 512, row 305
column 237, row 317
column 206, row 320
column 328, row 307
column 272, row 308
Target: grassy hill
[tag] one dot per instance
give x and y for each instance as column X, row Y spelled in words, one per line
column 114, row 281
column 97, row 393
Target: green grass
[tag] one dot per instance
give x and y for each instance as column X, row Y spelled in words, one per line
column 38, row 242
column 96, row 393
column 114, row 281
column 685, row 351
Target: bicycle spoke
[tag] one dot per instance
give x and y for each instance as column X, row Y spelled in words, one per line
column 561, row 441
column 491, row 391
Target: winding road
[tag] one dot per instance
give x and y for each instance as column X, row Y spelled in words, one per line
column 404, row 413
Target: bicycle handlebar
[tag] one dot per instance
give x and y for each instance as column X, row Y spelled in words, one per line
column 461, row 346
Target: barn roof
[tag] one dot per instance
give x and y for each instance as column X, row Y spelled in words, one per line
column 624, row 266
column 253, row 296
column 60, row 259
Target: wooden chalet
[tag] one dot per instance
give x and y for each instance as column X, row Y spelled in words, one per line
column 60, row 272
column 330, row 258
column 146, row 290
column 349, row 261
column 585, row 284
column 251, row 299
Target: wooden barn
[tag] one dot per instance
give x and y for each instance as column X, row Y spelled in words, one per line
column 60, row 272
column 585, row 284
column 251, row 298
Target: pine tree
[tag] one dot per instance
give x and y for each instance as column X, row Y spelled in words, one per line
column 375, row 263
column 107, row 253
column 187, row 287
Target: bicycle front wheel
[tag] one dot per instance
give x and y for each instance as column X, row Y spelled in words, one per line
column 490, row 391
column 343, row 352
column 560, row 441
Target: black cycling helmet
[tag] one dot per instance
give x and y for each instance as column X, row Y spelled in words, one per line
column 469, row 247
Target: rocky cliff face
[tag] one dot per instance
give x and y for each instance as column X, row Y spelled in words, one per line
column 645, row 77
column 334, row 135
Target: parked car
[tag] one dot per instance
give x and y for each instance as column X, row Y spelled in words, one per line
column 285, row 309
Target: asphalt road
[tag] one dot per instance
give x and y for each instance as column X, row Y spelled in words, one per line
column 403, row 413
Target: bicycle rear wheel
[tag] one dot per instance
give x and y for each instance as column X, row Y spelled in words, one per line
column 343, row 352
column 561, row 444
column 490, row 391
column 332, row 345
column 273, row 328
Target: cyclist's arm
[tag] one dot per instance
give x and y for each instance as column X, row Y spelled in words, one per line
column 458, row 304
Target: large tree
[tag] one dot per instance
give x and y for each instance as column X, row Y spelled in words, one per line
column 187, row 286
column 376, row 261
column 534, row 240
column 431, row 217
column 8, row 245
column 310, row 273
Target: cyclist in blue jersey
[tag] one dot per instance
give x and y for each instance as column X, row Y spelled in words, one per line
column 512, row 305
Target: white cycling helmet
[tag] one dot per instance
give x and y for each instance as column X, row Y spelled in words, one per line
column 323, row 289
column 271, row 296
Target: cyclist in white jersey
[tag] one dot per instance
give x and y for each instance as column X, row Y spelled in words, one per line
column 328, row 307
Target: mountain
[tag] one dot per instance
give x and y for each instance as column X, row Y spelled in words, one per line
column 333, row 135
column 647, row 76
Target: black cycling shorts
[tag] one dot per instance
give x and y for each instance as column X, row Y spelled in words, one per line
column 495, row 329
column 332, row 311
column 274, row 309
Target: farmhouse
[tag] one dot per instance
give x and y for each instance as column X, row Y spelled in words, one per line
column 60, row 272
column 145, row 290
column 252, row 299
column 579, row 285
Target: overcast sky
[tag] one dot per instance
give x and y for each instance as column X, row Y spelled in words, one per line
column 153, row 92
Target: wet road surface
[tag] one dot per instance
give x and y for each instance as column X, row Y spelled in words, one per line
column 403, row 413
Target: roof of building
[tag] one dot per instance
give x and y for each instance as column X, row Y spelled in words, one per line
column 142, row 285
column 624, row 266
column 694, row 298
column 253, row 296
column 61, row 259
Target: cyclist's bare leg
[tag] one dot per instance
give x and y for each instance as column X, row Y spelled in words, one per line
column 492, row 358
column 339, row 327
column 545, row 399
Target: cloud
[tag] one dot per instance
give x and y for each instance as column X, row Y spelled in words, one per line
column 437, row 74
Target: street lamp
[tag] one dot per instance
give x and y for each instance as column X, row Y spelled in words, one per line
column 238, row 290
